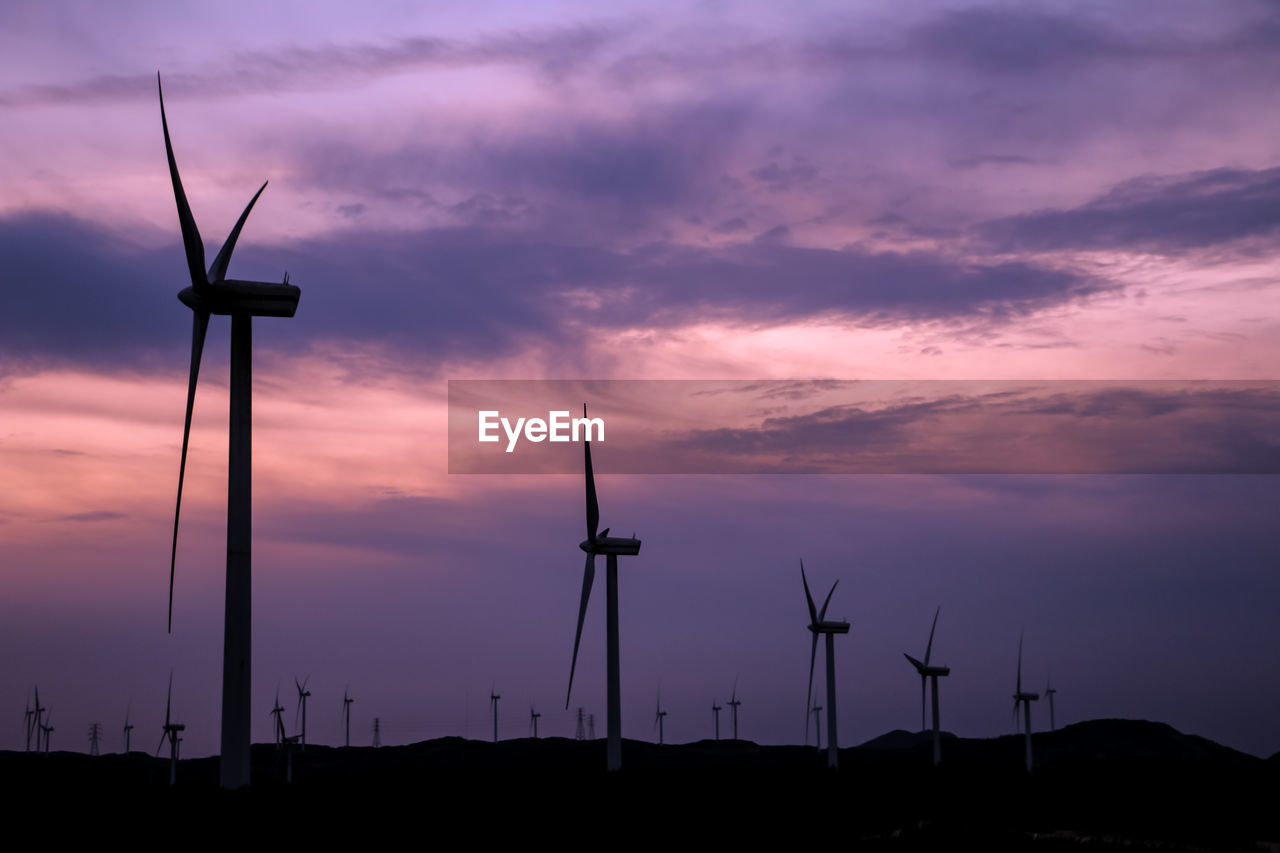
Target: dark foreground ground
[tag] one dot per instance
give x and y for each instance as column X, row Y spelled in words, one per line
column 1105, row 784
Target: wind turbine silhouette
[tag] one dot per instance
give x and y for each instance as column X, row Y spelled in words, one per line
column 818, row 624
column 35, row 725
column 734, row 702
column 1025, row 699
column 303, row 693
column 171, row 731
column 47, row 728
column 612, row 547
column 935, row 672
column 493, row 706
column 1048, row 694
column 533, row 720
column 29, row 720
column 715, row 716
column 211, row 292
column 660, row 716
column 346, row 711
column 128, row 728
column 277, row 711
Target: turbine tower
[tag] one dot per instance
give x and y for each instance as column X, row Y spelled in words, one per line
column 128, row 729
column 346, row 711
column 659, row 716
column 1049, row 690
column 211, row 292
column 931, row 672
column 734, row 702
column 1025, row 699
column 612, row 547
column 303, row 694
column 715, row 717
column 816, row 710
column 171, row 731
column 533, row 721
column 493, row 706
column 818, row 624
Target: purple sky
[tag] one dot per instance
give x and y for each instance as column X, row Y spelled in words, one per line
column 553, row 191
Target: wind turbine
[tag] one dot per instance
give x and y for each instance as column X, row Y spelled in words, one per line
column 818, row 624
column 533, row 721
column 128, row 728
column 211, row 292
column 734, row 702
column 612, row 547
column 1048, row 694
column 715, row 716
column 493, row 706
column 816, row 710
column 1025, row 699
column 303, row 693
column 659, row 716
column 927, row 672
column 47, row 729
column 346, row 711
column 28, row 720
column 171, row 731
column 278, row 712
column 35, row 725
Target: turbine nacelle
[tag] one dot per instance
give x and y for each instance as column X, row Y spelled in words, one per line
column 924, row 669
column 616, row 545
column 233, row 296
column 829, row 627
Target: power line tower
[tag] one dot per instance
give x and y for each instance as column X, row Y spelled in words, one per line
column 582, row 732
column 377, row 731
column 591, row 726
column 95, row 732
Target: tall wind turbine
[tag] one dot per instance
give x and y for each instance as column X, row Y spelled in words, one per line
column 1049, row 690
column 1025, row 699
column 612, row 547
column 128, row 729
column 493, row 706
column 931, row 672
column 818, row 624
column 734, row 702
column 659, row 716
column 211, row 292
column 171, row 731
column 715, row 716
column 303, row 694
column 346, row 711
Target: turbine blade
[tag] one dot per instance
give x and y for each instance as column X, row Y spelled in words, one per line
column 588, row 575
column 813, row 612
column 200, row 325
column 218, row 271
column 808, row 702
column 822, row 614
column 190, row 233
column 593, row 505
column 928, row 650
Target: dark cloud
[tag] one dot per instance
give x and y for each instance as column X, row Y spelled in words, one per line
column 1164, row 214
column 73, row 292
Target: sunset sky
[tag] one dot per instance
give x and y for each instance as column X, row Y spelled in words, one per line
column 710, row 191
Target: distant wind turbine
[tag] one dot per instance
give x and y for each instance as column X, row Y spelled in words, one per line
column 346, row 711
column 211, row 292
column 303, row 695
column 1025, row 699
column 35, row 725
column 493, row 706
column 612, row 547
column 47, row 728
column 533, row 721
column 29, row 720
column 128, row 728
column 818, row 624
column 659, row 716
column 931, row 672
column 715, row 716
column 277, row 711
column 734, row 702
column 171, row 732
column 1049, row 690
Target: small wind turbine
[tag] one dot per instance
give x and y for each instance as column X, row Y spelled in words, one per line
column 715, row 716
column 1025, row 699
column 128, row 728
column 659, row 716
column 1049, row 690
column 36, row 725
column 171, row 732
column 613, row 547
column 278, row 712
column 816, row 710
column 493, row 706
column 734, row 702
column 211, row 292
column 47, row 728
column 818, row 624
column 533, row 721
column 29, row 720
column 303, row 693
column 346, row 711
column 931, row 672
